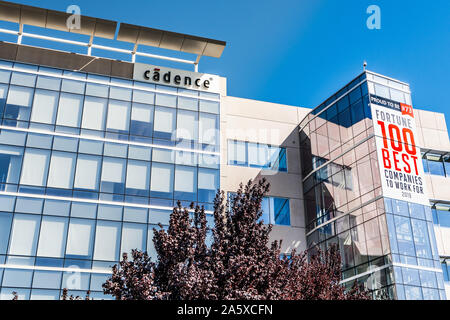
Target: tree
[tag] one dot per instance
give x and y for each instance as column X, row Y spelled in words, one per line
column 239, row 264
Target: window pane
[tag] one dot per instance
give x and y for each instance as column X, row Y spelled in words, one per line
column 162, row 180
column 208, row 183
column 208, row 129
column 119, row 92
column 10, row 163
column 237, row 152
column 281, row 212
column 265, row 208
column 118, row 115
column 133, row 237
column 80, row 238
column 382, row 91
column 24, row 234
column 185, row 183
column 138, row 175
column 435, row 165
column 397, row 95
column 113, row 175
column 18, row 103
column 94, row 112
column 142, row 119
column 257, row 155
column 143, row 97
column 107, row 241
column 209, row 106
column 187, row 124
column 166, row 100
column 69, row 111
column 97, row 89
column 421, row 239
column 24, row 79
column 404, row 236
column 87, row 172
column 35, row 167
column 62, row 168
column 5, row 227
column 52, row 238
column 44, row 106
column 164, row 123
column 188, row 103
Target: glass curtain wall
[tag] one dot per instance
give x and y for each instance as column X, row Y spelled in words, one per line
column 344, row 204
column 89, row 165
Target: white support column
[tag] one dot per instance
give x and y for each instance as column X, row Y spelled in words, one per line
column 196, row 63
column 133, row 53
column 19, row 37
column 91, row 40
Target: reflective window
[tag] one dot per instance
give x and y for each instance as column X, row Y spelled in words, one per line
column 274, row 210
column 162, row 180
column 141, row 119
column 107, row 241
column 87, row 172
column 256, row 155
column 138, row 177
column 18, row 104
column 5, row 227
column 208, row 183
column 134, row 236
column 35, row 167
column 44, row 106
column 118, row 116
column 187, row 125
column 185, row 183
column 62, row 170
column 208, row 129
column 10, row 163
column 436, row 164
column 80, row 239
column 52, row 237
column 94, row 113
column 113, row 175
column 24, row 234
column 164, row 124
column 69, row 110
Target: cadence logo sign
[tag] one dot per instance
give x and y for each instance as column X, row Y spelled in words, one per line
column 177, row 78
column 399, row 159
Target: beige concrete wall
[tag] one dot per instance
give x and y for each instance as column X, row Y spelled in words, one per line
column 432, row 130
column 275, row 124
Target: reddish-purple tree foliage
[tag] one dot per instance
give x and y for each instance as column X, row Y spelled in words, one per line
column 239, row 264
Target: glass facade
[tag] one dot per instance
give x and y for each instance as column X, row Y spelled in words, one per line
column 387, row 246
column 89, row 165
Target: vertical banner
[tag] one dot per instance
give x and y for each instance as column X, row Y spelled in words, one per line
column 399, row 159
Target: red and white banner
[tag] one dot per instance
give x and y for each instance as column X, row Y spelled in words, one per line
column 399, row 159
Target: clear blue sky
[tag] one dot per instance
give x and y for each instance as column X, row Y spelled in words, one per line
column 299, row 52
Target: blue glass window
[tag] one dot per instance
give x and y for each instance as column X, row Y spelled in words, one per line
column 404, row 236
column 257, row 155
column 208, row 183
column 141, row 119
column 10, row 164
column 281, row 211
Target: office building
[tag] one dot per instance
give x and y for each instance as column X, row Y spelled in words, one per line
column 95, row 152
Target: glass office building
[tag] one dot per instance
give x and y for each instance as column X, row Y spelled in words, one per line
column 95, row 151
column 89, row 165
column 387, row 245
